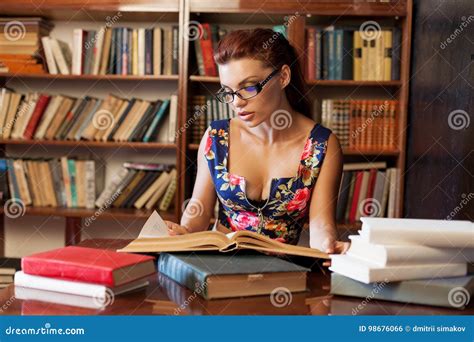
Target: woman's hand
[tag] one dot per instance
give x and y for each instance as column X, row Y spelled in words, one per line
column 336, row 247
column 176, row 229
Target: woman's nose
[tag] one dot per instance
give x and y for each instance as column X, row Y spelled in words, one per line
column 238, row 102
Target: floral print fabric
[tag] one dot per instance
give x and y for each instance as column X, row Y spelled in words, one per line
column 284, row 213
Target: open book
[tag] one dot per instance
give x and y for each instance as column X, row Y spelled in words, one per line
column 154, row 238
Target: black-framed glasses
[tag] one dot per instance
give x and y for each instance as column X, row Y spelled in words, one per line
column 244, row 93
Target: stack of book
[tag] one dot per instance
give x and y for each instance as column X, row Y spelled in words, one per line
column 139, row 185
column 63, row 182
column 362, row 124
column 205, row 109
column 126, row 51
column 366, row 189
column 60, row 117
column 408, row 260
column 360, row 54
column 80, row 276
column 20, row 44
column 8, row 267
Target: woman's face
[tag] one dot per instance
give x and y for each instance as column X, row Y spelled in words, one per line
column 246, row 72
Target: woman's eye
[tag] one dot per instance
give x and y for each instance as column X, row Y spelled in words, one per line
column 250, row 88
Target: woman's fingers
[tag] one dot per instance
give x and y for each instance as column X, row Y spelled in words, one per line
column 339, row 247
column 176, row 229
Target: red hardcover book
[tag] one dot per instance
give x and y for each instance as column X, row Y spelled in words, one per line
column 355, row 199
column 207, row 52
column 36, row 116
column 89, row 265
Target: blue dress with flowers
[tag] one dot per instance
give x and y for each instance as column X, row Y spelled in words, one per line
column 284, row 213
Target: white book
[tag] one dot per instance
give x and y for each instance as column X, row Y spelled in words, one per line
column 368, row 272
column 111, row 188
column 435, row 233
column 385, row 255
column 173, row 118
column 48, row 116
column 392, row 193
column 141, row 52
column 25, row 119
column 100, row 292
column 154, row 227
column 5, row 96
column 48, row 52
column 90, row 183
column 77, row 43
column 62, row 55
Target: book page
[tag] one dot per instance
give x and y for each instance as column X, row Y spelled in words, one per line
column 154, row 227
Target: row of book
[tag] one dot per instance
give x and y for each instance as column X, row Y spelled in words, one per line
column 60, row 117
column 366, row 189
column 8, row 267
column 81, row 276
column 337, row 53
column 20, row 44
column 408, row 260
column 118, row 51
column 73, row 183
column 203, row 110
column 362, row 124
column 140, row 186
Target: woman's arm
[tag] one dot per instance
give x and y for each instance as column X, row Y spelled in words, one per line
column 200, row 206
column 322, row 213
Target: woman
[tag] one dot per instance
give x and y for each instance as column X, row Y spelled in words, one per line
column 266, row 165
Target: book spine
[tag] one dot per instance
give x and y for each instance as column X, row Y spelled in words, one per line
column 182, row 273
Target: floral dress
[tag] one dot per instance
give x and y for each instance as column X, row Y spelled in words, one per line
column 284, row 213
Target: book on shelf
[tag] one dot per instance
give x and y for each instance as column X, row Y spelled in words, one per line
column 60, row 117
column 237, row 275
column 8, row 268
column 154, row 238
column 139, row 186
column 366, row 189
column 71, row 183
column 203, row 110
column 20, row 44
column 344, row 53
column 435, row 292
column 89, row 273
column 388, row 249
column 205, row 46
column 362, row 124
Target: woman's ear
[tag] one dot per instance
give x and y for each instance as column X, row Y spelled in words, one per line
column 285, row 76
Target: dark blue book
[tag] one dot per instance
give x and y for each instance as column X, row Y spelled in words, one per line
column 215, row 275
column 396, row 53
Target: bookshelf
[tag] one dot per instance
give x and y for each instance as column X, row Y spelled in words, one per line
column 235, row 14
column 65, row 16
column 231, row 14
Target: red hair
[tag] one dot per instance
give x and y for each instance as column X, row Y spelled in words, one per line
column 274, row 50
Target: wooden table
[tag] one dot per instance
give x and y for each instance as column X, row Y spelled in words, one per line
column 165, row 297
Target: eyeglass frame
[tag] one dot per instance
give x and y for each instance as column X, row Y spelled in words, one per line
column 258, row 85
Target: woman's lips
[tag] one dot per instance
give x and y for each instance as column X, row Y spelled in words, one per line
column 244, row 113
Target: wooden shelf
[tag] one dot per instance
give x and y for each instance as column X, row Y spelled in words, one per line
column 108, row 144
column 322, row 83
column 91, row 77
column 321, row 8
column 110, row 213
